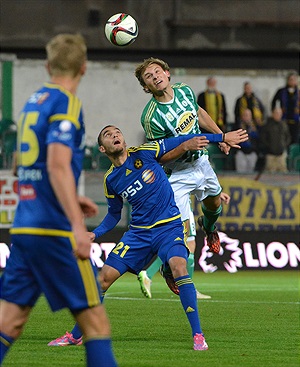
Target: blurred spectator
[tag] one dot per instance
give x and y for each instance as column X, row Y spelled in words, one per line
column 246, row 157
column 249, row 100
column 275, row 138
column 288, row 98
column 213, row 102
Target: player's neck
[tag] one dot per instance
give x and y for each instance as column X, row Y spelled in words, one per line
column 166, row 96
column 68, row 83
column 118, row 159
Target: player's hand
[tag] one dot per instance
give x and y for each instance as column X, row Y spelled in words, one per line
column 225, row 148
column 225, row 197
column 233, row 138
column 83, row 242
column 88, row 207
column 196, row 143
column 91, row 236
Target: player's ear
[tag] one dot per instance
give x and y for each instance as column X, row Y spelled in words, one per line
column 47, row 66
column 167, row 72
column 83, row 68
column 102, row 149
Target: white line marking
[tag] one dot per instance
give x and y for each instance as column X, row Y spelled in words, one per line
column 210, row 300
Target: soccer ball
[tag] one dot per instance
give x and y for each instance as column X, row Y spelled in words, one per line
column 121, row 29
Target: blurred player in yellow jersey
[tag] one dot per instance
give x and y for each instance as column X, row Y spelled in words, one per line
column 51, row 247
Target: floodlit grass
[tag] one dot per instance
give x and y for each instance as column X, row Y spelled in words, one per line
column 251, row 320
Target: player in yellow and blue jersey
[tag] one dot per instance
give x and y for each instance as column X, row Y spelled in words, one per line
column 48, row 234
column 155, row 227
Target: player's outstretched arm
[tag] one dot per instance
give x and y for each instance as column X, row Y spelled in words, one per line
column 195, row 143
column 109, row 222
column 233, row 138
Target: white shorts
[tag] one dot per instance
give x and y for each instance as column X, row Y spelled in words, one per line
column 197, row 178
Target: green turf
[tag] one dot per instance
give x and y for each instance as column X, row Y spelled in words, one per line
column 251, row 320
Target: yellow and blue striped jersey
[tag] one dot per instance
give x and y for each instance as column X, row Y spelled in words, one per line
column 142, row 182
column 50, row 115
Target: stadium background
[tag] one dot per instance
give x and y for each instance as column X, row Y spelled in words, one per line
column 256, row 41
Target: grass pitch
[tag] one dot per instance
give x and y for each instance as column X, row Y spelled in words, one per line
column 252, row 320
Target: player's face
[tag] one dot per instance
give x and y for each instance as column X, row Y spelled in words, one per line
column 112, row 141
column 156, row 79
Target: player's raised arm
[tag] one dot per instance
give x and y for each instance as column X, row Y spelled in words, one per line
column 194, row 142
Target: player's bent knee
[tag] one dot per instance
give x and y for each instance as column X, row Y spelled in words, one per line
column 15, row 318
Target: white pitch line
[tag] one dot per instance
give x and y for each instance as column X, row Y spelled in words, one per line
column 214, row 301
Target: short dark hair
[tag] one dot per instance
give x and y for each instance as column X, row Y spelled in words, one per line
column 99, row 136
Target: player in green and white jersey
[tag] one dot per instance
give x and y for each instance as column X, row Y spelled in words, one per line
column 173, row 111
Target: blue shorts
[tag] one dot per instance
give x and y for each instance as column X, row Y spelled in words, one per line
column 46, row 264
column 138, row 246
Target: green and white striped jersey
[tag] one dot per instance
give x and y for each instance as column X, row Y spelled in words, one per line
column 177, row 117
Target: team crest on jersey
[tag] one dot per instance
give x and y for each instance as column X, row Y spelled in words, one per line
column 138, row 164
column 185, row 122
column 184, row 103
column 169, row 116
column 148, row 176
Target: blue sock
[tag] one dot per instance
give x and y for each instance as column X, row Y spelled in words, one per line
column 99, row 353
column 188, row 298
column 5, row 343
column 76, row 331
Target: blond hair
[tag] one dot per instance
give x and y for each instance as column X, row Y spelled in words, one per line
column 139, row 70
column 66, row 53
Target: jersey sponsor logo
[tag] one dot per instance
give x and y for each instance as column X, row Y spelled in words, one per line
column 148, row 176
column 27, row 192
column 30, row 174
column 62, row 136
column 138, row 164
column 38, row 98
column 43, row 98
column 185, row 123
column 132, row 189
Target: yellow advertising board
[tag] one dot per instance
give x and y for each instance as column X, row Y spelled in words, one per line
column 256, row 206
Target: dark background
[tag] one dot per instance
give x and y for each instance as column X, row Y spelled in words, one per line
column 229, row 34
